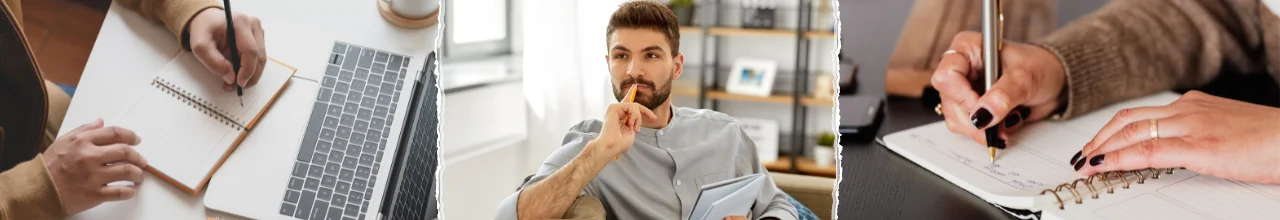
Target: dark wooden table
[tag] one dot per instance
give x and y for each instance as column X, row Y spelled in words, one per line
column 877, row 183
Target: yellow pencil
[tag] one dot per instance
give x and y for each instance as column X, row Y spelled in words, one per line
column 630, row 99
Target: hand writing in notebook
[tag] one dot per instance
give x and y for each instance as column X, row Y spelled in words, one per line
column 1028, row 89
column 207, row 37
column 1203, row 133
column 84, row 161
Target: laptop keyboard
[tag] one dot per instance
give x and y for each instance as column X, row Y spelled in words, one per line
column 337, row 164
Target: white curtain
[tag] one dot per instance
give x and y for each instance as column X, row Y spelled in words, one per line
column 566, row 79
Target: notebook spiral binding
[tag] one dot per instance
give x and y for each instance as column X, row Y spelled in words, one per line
column 1140, row 176
column 198, row 103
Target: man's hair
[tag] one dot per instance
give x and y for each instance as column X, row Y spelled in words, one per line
column 648, row 15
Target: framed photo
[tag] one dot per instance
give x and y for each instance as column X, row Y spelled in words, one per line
column 752, row 77
column 765, row 133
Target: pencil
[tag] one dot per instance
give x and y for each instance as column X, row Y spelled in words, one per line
column 631, row 99
column 235, row 53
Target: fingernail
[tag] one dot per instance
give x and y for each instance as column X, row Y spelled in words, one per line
column 1023, row 110
column 1096, row 160
column 1079, row 165
column 1012, row 120
column 1076, row 158
column 981, row 118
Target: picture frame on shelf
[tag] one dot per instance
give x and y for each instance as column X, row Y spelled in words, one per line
column 765, row 133
column 752, row 77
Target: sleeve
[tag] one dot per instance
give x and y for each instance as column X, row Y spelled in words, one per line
column 573, row 143
column 772, row 201
column 28, row 193
column 1129, row 49
column 173, row 14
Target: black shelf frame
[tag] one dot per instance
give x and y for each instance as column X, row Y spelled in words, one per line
column 711, row 44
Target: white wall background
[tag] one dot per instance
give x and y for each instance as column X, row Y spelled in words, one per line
column 565, row 77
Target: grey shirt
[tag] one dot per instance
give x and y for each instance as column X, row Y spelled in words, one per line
column 660, row 176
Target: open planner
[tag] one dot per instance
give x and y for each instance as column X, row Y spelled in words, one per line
column 1034, row 174
column 189, row 124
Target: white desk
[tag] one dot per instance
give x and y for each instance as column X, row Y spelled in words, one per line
column 130, row 49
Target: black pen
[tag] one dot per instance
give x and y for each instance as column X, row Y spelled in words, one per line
column 235, row 53
column 992, row 18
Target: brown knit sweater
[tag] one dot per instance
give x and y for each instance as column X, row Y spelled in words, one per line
column 1133, row 48
column 26, row 128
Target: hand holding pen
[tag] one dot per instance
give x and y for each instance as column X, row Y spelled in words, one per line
column 217, row 37
column 1030, row 87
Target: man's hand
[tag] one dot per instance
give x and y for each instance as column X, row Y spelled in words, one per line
column 208, row 38
column 83, row 161
column 621, row 122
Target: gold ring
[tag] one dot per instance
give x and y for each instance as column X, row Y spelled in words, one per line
column 938, row 109
column 1155, row 133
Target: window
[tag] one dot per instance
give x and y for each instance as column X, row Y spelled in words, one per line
column 476, row 29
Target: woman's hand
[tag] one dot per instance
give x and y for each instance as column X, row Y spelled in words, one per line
column 1033, row 77
column 1207, row 134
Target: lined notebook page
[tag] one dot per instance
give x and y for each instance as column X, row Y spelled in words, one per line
column 188, row 75
column 1185, row 195
column 1037, row 158
column 179, row 141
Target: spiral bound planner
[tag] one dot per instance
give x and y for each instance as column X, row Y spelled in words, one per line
column 189, row 124
column 1034, row 174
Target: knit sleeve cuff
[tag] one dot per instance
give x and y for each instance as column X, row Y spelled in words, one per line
column 177, row 14
column 29, row 192
column 1088, row 64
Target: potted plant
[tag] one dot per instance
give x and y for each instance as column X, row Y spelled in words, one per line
column 684, row 11
column 825, row 153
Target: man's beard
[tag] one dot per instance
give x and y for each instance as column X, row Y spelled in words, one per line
column 652, row 102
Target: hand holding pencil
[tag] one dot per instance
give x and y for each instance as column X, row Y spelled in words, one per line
column 621, row 122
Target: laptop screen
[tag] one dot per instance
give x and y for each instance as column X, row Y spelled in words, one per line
column 411, row 193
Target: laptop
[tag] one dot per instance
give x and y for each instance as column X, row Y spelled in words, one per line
column 368, row 150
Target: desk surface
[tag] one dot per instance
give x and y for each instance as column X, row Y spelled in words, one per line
column 877, row 183
column 130, row 49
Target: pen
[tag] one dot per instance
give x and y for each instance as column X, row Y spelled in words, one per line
column 629, row 100
column 991, row 44
column 235, row 53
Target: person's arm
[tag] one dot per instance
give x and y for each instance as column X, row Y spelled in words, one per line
column 563, row 177
column 1129, row 49
column 29, row 193
column 772, row 202
column 173, row 14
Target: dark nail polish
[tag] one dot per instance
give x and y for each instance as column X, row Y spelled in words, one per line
column 1012, row 120
column 1079, row 164
column 1076, row 158
column 981, row 118
column 1023, row 110
column 1096, row 160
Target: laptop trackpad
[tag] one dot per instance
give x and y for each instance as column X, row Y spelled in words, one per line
column 251, row 182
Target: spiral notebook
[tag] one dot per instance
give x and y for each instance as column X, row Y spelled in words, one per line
column 1034, row 175
column 189, row 124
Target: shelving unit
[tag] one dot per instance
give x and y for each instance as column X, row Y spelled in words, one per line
column 710, row 90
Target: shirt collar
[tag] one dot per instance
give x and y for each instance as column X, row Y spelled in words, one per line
column 649, row 132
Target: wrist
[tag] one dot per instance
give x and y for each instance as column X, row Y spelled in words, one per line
column 186, row 29
column 594, row 151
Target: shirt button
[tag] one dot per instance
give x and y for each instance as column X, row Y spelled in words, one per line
column 659, row 133
column 677, row 182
